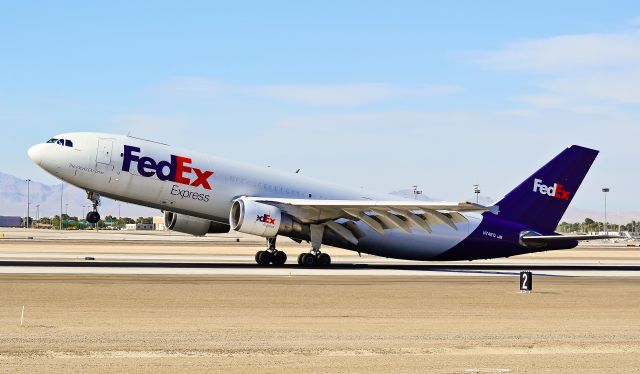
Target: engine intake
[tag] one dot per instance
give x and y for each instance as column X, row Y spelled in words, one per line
column 251, row 217
column 193, row 225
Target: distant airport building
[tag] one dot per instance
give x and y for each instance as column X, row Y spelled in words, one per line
column 158, row 223
column 10, row 221
column 139, row 226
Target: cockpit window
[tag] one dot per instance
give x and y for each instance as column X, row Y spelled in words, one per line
column 62, row 142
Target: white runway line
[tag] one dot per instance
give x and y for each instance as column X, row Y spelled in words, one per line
column 259, row 271
column 16, row 256
column 286, row 272
column 246, row 259
column 346, row 265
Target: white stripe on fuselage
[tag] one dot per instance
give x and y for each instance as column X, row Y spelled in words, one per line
column 79, row 166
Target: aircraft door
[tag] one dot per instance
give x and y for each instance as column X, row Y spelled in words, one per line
column 105, row 149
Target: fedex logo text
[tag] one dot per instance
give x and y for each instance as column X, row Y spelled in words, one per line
column 557, row 190
column 177, row 170
column 265, row 218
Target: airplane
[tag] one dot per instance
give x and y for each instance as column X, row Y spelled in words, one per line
column 201, row 194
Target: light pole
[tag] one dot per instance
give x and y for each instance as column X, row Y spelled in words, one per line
column 476, row 190
column 605, row 190
column 61, row 195
column 26, row 221
column 416, row 192
column 38, row 214
column 119, row 216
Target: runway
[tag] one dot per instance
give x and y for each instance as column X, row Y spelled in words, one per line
column 120, row 264
column 151, row 253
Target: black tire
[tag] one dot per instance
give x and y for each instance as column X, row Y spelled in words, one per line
column 279, row 258
column 93, row 217
column 258, row 257
column 265, row 258
column 308, row 259
column 300, row 258
column 324, row 260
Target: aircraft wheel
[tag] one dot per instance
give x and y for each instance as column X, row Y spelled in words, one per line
column 264, row 258
column 93, row 217
column 308, row 259
column 324, row 260
column 279, row 258
column 300, row 258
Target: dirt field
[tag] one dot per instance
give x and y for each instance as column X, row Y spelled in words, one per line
column 318, row 324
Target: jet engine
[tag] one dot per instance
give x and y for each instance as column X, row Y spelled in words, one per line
column 251, row 217
column 193, row 225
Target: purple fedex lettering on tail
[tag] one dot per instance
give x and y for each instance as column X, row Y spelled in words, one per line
column 177, row 170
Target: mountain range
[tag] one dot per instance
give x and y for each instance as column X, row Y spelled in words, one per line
column 13, row 200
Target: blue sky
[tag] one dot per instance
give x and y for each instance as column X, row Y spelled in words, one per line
column 382, row 95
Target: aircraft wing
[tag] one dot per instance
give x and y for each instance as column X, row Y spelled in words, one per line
column 377, row 214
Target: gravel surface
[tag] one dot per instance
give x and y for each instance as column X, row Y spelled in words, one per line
column 318, row 324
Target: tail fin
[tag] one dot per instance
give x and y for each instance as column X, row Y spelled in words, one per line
column 542, row 199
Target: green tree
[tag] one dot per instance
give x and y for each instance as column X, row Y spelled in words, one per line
column 55, row 222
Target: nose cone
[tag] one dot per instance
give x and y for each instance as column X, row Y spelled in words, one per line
column 36, row 153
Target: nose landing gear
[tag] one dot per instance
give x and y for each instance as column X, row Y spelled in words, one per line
column 93, row 217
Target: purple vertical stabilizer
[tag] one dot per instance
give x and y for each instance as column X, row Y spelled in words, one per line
column 541, row 200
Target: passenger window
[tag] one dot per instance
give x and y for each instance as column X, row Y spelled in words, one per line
column 68, row 143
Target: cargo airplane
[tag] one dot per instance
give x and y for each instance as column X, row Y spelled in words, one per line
column 202, row 194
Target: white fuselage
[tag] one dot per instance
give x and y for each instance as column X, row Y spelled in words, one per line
column 97, row 162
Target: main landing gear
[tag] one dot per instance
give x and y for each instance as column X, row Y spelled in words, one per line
column 93, row 217
column 315, row 257
column 271, row 255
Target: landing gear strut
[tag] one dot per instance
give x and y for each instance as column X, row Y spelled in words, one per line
column 271, row 255
column 315, row 257
column 93, row 217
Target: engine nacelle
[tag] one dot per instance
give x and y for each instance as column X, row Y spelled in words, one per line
column 193, row 225
column 251, row 217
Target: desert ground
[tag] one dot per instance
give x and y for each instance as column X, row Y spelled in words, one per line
column 310, row 323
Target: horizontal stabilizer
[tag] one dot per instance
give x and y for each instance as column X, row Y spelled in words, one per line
column 549, row 239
